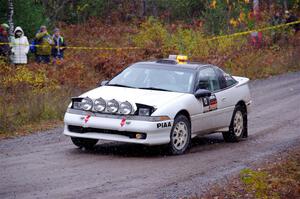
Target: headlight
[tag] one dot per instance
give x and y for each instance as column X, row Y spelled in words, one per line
column 86, row 104
column 112, row 106
column 125, row 108
column 99, row 105
column 144, row 111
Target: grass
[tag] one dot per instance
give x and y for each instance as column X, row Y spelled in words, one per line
column 279, row 179
column 24, row 110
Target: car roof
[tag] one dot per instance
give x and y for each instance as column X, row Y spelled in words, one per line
column 190, row 65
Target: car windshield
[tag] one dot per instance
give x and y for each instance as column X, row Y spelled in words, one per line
column 155, row 78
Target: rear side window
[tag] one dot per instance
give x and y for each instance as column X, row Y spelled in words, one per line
column 225, row 79
column 229, row 80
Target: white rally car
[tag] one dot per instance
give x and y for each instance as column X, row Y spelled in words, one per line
column 159, row 102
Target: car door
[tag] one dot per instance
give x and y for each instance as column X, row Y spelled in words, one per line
column 210, row 119
column 226, row 95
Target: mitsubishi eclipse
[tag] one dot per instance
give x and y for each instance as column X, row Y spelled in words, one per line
column 164, row 102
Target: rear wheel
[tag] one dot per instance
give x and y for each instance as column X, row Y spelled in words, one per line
column 84, row 142
column 238, row 125
column 180, row 135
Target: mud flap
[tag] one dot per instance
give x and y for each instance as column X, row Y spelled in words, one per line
column 245, row 134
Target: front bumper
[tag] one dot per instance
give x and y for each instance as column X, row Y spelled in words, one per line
column 116, row 127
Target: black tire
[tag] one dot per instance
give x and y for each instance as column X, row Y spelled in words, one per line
column 181, row 131
column 237, row 128
column 84, row 142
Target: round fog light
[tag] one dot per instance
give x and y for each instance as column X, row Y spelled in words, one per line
column 86, row 104
column 99, row 105
column 125, row 108
column 112, row 106
column 138, row 136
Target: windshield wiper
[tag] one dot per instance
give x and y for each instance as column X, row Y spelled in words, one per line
column 156, row 89
column 120, row 85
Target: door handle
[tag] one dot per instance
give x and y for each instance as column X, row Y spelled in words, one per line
column 223, row 99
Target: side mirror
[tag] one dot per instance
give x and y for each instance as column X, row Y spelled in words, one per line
column 104, row 82
column 202, row 93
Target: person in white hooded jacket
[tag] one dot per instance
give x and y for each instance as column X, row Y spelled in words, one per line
column 20, row 47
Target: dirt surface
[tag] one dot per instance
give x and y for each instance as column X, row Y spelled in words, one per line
column 47, row 165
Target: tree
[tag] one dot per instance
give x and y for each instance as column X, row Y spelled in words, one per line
column 54, row 8
column 10, row 17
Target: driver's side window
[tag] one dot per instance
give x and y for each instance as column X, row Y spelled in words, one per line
column 208, row 80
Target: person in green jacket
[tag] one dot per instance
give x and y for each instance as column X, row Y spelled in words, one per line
column 45, row 43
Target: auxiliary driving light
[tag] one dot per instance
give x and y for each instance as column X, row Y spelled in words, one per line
column 86, row 104
column 125, row 108
column 112, row 106
column 99, row 105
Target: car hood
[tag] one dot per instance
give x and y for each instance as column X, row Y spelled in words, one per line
column 142, row 96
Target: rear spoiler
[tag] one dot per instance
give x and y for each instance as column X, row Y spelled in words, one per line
column 241, row 80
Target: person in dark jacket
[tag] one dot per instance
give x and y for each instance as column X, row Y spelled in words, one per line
column 4, row 47
column 290, row 17
column 59, row 46
column 277, row 19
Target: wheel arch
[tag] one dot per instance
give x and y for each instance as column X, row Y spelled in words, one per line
column 242, row 104
column 185, row 113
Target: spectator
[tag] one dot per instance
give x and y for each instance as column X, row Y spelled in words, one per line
column 277, row 19
column 256, row 37
column 20, row 47
column 59, row 46
column 4, row 47
column 44, row 42
column 5, row 26
column 290, row 17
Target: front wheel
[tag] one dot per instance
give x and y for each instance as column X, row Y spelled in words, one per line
column 180, row 135
column 238, row 125
column 84, row 142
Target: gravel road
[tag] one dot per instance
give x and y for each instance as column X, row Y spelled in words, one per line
column 47, row 165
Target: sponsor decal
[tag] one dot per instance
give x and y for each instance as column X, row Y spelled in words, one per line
column 210, row 103
column 164, row 125
column 86, row 119
column 205, row 101
column 213, row 104
column 123, row 122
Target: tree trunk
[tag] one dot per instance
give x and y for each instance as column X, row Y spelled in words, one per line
column 10, row 17
column 256, row 5
column 154, row 8
column 285, row 5
column 143, row 8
